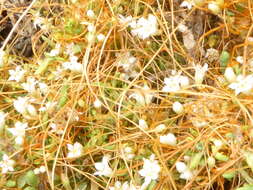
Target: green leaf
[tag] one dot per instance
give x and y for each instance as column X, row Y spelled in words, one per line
column 224, row 58
column 10, row 183
column 63, row 96
column 30, row 188
column 21, row 181
column 152, row 185
column 31, row 178
column 221, row 157
column 42, row 67
column 195, row 160
column 246, row 187
column 249, row 158
column 229, row 175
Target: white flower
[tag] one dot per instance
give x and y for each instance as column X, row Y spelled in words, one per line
column 197, row 122
column 19, row 132
column 230, row 75
column 128, row 21
column 181, row 167
column 17, row 74
column 127, row 62
column 175, row 82
column 70, row 49
column 40, row 170
column 214, row 7
column 239, row 59
column 75, row 150
column 56, row 50
column 128, row 153
column 91, row 27
column 187, row 4
column 125, row 186
column 160, row 128
column 30, row 84
column 100, row 37
column 56, row 128
column 243, row 84
column 143, row 124
column 7, row 164
column 187, row 175
column 150, row 170
column 182, row 28
column 97, row 103
column 143, row 95
column 218, row 143
column 90, row 13
column 43, row 87
column 177, row 107
column 39, row 21
column 200, row 72
column 145, row 27
column 2, row 119
column 103, row 168
column 23, row 106
column 168, row 139
column 73, row 65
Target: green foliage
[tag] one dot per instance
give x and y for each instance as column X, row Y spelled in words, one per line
column 29, row 178
column 195, row 161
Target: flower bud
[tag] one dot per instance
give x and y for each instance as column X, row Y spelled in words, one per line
column 230, row 75
column 177, row 107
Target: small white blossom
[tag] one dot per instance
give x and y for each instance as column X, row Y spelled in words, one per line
column 97, row 103
column 23, row 106
column 177, row 107
column 55, row 51
column 17, row 74
column 43, row 87
column 239, row 59
column 218, row 143
column 168, row 139
column 230, row 75
column 73, row 65
column 181, row 167
column 125, row 186
column 143, row 96
column 187, row 175
column 214, row 7
column 19, row 132
column 75, row 150
column 184, row 171
column 30, row 85
column 91, row 27
column 175, row 82
column 182, row 28
column 56, row 128
column 199, row 123
column 90, row 13
column 150, row 170
column 2, row 119
column 7, row 164
column 143, row 124
column 40, row 170
column 200, row 72
column 39, row 21
column 127, row 21
column 128, row 153
column 103, row 168
column 243, row 84
column 100, row 37
column 145, row 27
column 187, row 4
